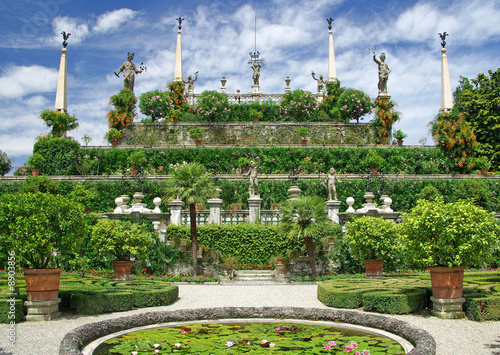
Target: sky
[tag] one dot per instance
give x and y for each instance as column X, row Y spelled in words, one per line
column 217, row 36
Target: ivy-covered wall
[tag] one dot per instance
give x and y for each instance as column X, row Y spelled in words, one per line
column 247, row 133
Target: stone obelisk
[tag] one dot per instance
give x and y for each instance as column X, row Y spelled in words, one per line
column 178, row 54
column 446, row 96
column 62, row 85
column 332, row 71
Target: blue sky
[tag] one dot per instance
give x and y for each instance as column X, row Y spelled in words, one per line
column 292, row 36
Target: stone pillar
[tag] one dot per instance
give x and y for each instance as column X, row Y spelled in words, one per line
column 178, row 59
column 190, row 97
column 294, row 192
column 254, row 203
column 215, row 205
column 446, row 96
column 333, row 210
column 175, row 212
column 332, row 71
column 62, row 85
column 42, row 310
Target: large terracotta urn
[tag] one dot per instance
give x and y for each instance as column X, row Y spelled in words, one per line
column 42, row 284
column 122, row 270
column 373, row 268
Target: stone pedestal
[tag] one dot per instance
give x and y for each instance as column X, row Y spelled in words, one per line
column 190, row 97
column 279, row 272
column 175, row 212
column 294, row 192
column 448, row 308
column 42, row 310
column 215, row 206
column 333, row 207
column 254, row 203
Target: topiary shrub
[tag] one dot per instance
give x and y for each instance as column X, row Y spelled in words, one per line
column 61, row 155
column 298, row 106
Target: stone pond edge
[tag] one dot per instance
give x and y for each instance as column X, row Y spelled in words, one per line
column 76, row 339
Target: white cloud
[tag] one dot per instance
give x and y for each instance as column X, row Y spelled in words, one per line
column 112, row 20
column 78, row 28
column 19, row 81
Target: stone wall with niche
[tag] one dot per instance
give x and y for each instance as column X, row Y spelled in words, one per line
column 247, row 133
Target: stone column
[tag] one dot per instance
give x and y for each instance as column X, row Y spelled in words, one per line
column 178, row 59
column 332, row 71
column 215, row 205
column 446, row 96
column 254, row 203
column 175, row 212
column 62, row 85
column 333, row 210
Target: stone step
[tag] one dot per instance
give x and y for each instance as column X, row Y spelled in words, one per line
column 253, row 276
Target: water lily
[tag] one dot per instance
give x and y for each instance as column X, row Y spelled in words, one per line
column 272, row 345
column 264, row 341
column 156, row 346
column 229, row 344
column 177, row 345
column 327, row 347
column 332, row 343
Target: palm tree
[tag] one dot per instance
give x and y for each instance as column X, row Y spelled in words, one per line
column 192, row 184
column 304, row 218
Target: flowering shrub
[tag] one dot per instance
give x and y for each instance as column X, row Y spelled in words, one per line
column 58, row 121
column 5, row 163
column 212, row 106
column 354, row 104
column 177, row 94
column 23, row 170
column 156, row 104
column 456, row 137
column 124, row 111
column 298, row 105
column 385, row 117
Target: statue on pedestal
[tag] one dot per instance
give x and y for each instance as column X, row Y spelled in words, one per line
column 321, row 82
column 253, row 171
column 383, row 74
column 190, row 81
column 331, row 178
column 130, row 71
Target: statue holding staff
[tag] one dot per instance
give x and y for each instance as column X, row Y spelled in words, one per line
column 190, row 81
column 253, row 171
column 130, row 71
column 321, row 82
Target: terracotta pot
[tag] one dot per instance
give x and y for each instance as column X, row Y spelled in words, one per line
column 484, row 171
column 374, row 171
column 198, row 142
column 35, row 172
column 42, row 284
column 335, row 120
column 400, row 142
column 447, row 282
column 304, row 141
column 134, row 171
column 176, row 120
column 114, row 143
column 280, row 261
column 256, row 120
column 373, row 268
column 122, row 269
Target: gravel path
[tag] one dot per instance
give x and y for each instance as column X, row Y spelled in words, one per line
column 459, row 337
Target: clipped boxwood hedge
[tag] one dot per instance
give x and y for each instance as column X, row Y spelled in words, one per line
column 410, row 294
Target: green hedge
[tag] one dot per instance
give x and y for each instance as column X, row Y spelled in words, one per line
column 410, row 294
column 61, row 155
column 250, row 243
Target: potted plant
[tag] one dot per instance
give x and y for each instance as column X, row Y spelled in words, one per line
column 196, row 133
column 304, row 132
column 483, row 164
column 372, row 239
column 447, row 237
column 136, row 160
column 120, row 240
column 399, row 135
column 113, row 136
column 38, row 228
column 36, row 161
column 374, row 161
column 243, row 164
column 256, row 115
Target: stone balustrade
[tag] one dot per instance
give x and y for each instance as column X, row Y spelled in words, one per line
column 238, row 99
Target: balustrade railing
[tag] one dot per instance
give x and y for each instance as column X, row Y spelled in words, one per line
column 201, row 217
column 234, row 217
column 270, row 216
column 238, row 99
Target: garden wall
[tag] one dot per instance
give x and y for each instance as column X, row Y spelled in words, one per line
column 237, row 133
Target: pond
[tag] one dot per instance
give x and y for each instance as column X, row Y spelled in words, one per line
column 252, row 337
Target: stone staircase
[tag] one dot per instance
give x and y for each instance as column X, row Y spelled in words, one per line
column 252, row 277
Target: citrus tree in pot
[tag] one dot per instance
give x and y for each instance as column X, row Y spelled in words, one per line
column 39, row 228
column 448, row 237
column 372, row 239
column 120, row 240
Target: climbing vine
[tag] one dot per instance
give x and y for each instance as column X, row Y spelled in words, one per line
column 385, row 117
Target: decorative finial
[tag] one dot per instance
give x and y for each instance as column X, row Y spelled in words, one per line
column 330, row 21
column 65, row 38
column 180, row 19
column 443, row 38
